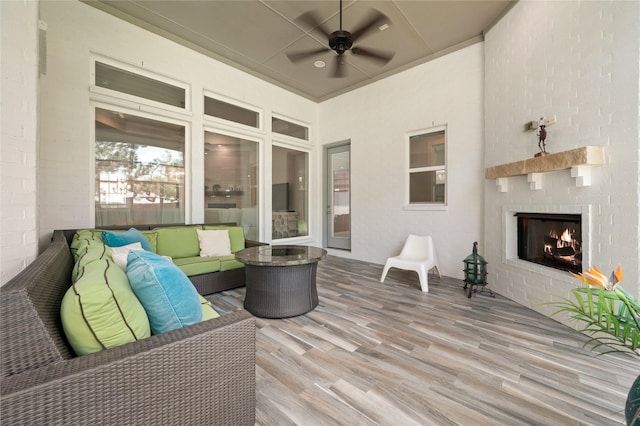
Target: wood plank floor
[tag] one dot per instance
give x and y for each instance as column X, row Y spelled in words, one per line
column 388, row 354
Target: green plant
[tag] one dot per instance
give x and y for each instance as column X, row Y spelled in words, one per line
column 609, row 314
column 611, row 317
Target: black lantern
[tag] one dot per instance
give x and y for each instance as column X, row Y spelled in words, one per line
column 475, row 271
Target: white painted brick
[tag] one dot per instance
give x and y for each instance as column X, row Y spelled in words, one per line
column 18, row 226
column 591, row 51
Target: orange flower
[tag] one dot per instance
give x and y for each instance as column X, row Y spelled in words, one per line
column 594, row 276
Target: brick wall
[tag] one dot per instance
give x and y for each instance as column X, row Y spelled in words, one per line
column 579, row 62
column 19, row 72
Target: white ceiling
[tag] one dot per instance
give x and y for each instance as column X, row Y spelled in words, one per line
column 255, row 35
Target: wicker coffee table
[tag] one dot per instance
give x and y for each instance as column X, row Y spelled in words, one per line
column 281, row 280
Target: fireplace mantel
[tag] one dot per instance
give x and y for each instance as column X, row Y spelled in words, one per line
column 579, row 160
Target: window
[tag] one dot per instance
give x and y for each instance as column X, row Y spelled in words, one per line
column 230, row 112
column 231, row 182
column 427, row 168
column 289, row 193
column 120, row 80
column 284, row 127
column 140, row 170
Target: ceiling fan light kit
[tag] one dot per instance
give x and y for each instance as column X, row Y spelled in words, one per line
column 342, row 41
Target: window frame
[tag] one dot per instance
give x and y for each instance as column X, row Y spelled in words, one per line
column 95, row 104
column 408, row 205
column 285, row 137
column 133, row 100
column 214, row 121
column 308, row 150
column 259, row 140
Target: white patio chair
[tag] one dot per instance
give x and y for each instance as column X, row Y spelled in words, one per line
column 418, row 254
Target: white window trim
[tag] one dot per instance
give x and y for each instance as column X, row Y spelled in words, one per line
column 137, row 100
column 297, row 145
column 187, row 151
column 426, row 206
column 307, row 142
column 260, row 178
column 221, row 121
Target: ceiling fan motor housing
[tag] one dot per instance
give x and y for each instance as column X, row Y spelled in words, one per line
column 340, row 41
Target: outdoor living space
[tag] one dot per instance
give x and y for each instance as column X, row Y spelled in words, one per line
column 382, row 354
column 78, row 153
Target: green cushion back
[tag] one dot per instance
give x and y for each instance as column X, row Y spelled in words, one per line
column 152, row 236
column 96, row 235
column 100, row 311
column 236, row 236
column 177, row 242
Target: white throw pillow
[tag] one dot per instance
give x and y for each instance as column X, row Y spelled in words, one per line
column 214, row 242
column 119, row 254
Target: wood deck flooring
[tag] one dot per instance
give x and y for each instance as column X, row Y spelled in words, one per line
column 388, row 354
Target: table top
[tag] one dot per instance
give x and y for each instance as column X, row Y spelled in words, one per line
column 280, row 255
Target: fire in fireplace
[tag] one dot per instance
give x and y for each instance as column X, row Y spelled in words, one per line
column 551, row 239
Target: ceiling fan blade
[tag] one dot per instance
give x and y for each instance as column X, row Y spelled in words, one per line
column 339, row 67
column 373, row 21
column 379, row 56
column 301, row 56
column 310, row 20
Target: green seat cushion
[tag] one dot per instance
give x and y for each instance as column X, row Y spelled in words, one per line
column 169, row 298
column 198, row 265
column 230, row 262
column 208, row 311
column 177, row 242
column 100, row 310
column 236, row 236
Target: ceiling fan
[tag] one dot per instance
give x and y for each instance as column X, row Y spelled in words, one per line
column 342, row 41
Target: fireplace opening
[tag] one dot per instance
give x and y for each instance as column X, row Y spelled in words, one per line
column 551, row 239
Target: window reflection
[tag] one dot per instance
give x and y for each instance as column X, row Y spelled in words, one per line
column 139, row 170
column 289, row 193
column 231, row 182
column 427, row 168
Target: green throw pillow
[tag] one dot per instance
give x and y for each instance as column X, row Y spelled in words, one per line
column 100, row 311
column 87, row 251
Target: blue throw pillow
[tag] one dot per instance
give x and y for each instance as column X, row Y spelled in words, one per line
column 119, row 239
column 167, row 295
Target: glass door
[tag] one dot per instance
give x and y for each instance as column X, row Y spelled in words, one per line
column 338, row 197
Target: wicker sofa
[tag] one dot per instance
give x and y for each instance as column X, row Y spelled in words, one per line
column 207, row 283
column 201, row 374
